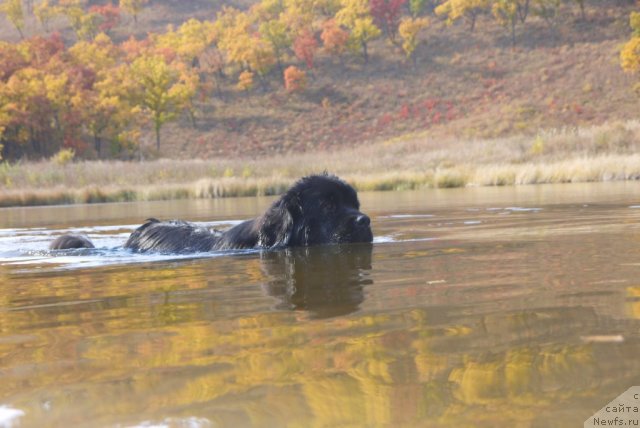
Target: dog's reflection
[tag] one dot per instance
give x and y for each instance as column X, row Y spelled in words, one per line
column 325, row 280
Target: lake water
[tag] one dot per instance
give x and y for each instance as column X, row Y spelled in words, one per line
column 496, row 307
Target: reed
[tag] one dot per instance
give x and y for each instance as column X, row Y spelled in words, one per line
column 604, row 153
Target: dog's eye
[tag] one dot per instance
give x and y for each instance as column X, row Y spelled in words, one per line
column 328, row 204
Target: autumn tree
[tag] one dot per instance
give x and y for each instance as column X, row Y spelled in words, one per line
column 108, row 16
column 244, row 46
column 133, row 7
column 298, row 15
column 132, row 48
column 189, row 41
column 45, row 12
column 12, row 9
column 547, row 10
column 34, row 98
column 334, row 39
column 234, row 28
column 276, row 32
column 409, row 29
column 416, row 7
column 386, row 15
column 245, row 81
column 356, row 17
column 84, row 23
column 105, row 109
column 162, row 89
column 507, row 13
column 305, row 47
column 12, row 59
column 37, row 117
column 630, row 53
column 465, row 9
column 581, row 5
column 295, row 80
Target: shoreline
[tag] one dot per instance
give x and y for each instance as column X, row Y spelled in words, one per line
column 600, row 169
column 606, row 153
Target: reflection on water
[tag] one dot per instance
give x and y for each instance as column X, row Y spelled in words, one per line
column 327, row 281
column 508, row 310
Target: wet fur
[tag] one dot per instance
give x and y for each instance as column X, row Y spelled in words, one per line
column 67, row 242
column 318, row 209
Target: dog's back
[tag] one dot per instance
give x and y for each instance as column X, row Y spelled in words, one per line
column 174, row 236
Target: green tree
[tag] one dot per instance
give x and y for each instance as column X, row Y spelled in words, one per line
column 162, row 89
column 276, row 33
column 416, row 7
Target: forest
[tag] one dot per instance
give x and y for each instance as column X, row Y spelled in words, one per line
column 81, row 83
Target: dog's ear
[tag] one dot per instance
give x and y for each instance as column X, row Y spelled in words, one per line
column 277, row 226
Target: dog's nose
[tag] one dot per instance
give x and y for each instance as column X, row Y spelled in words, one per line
column 363, row 220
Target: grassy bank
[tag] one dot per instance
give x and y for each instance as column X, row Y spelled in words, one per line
column 606, row 153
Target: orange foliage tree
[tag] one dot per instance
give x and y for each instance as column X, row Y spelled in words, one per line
column 305, row 47
column 334, row 39
column 295, row 80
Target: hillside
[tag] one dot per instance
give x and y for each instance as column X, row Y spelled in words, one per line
column 462, row 85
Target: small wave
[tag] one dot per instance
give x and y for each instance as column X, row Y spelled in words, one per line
column 385, row 239
column 9, row 416
column 190, row 422
column 516, row 209
column 408, row 216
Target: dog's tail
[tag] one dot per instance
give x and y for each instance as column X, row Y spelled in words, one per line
column 70, row 241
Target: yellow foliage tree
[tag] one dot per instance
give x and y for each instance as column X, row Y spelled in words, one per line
column 506, row 13
column 162, row 89
column 133, row 7
column 189, row 41
column 276, row 32
column 85, row 24
column 106, row 109
column 100, row 54
column 467, row 9
column 45, row 12
column 242, row 44
column 630, row 52
column 355, row 15
column 409, row 29
column 245, row 81
column 12, row 9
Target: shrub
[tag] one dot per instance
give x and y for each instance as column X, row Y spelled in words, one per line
column 64, row 156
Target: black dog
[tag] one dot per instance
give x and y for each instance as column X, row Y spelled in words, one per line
column 318, row 209
column 66, row 242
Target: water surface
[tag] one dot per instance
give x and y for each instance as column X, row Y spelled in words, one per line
column 496, row 307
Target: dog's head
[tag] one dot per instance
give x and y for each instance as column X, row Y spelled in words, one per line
column 318, row 209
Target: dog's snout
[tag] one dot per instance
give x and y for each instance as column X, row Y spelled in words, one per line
column 363, row 220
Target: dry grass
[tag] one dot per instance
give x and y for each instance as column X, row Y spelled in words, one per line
column 604, row 153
